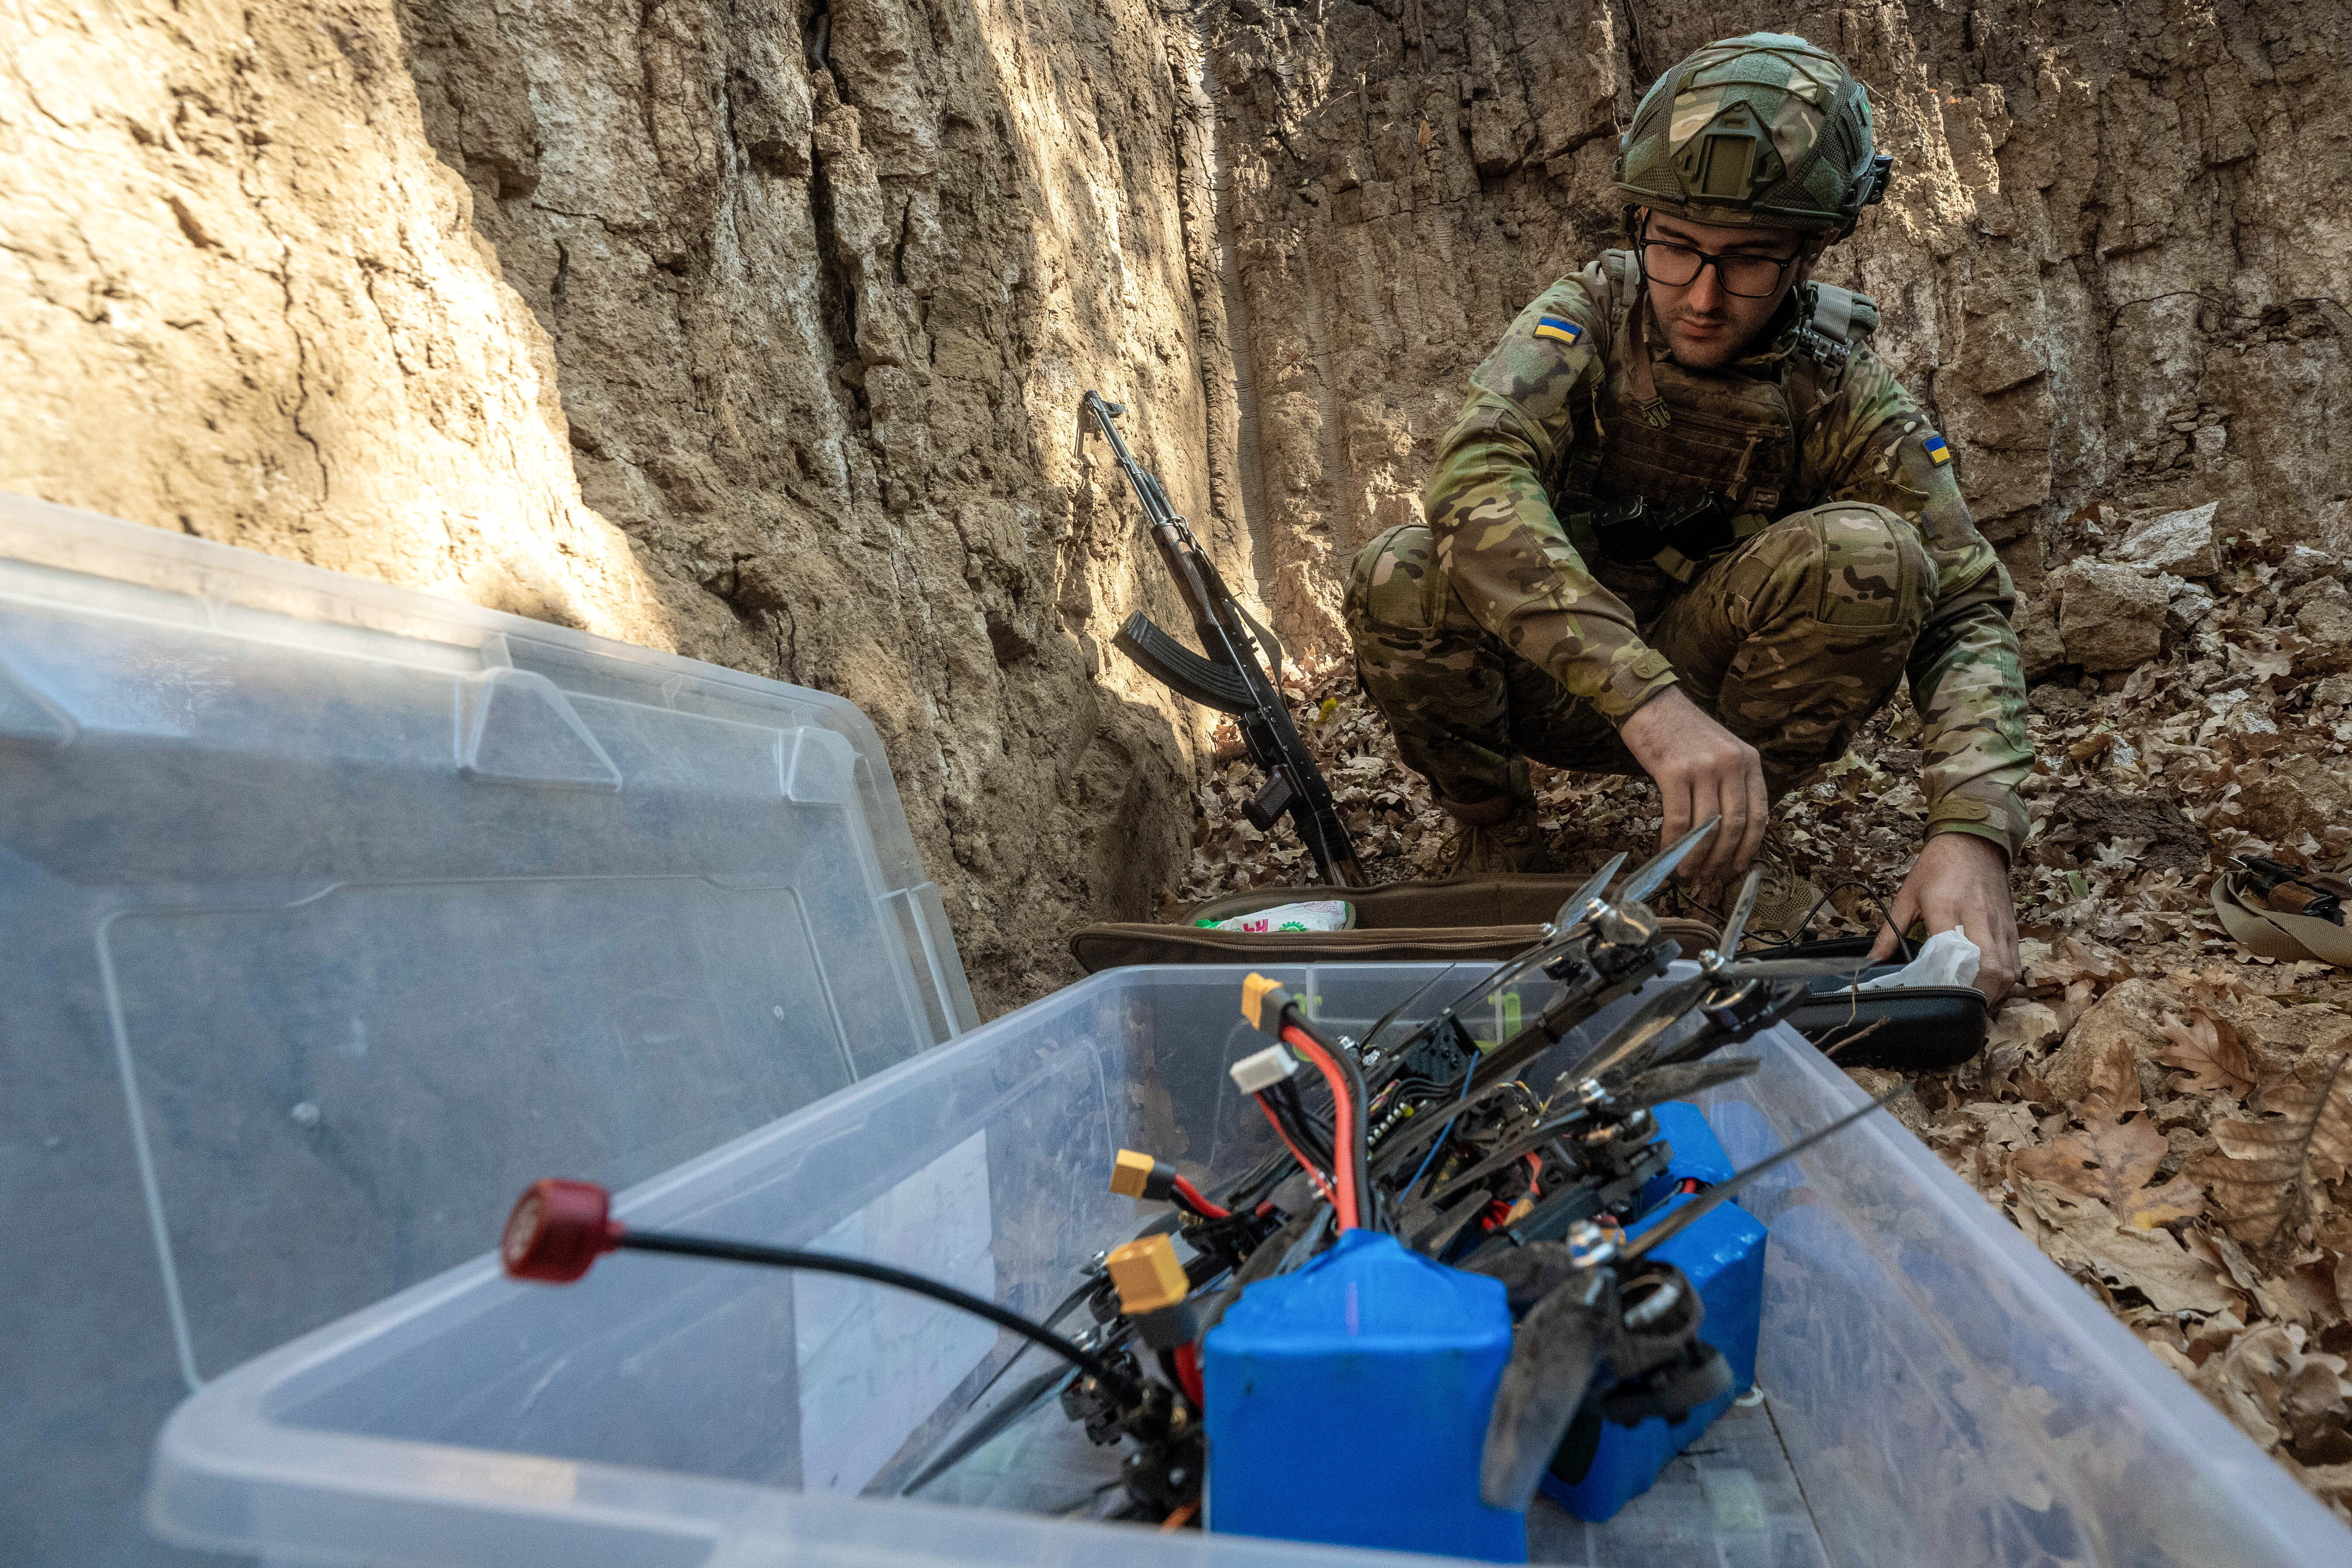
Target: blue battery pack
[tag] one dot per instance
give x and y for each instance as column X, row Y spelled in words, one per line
column 1697, row 1154
column 1602, row 1466
column 1347, row 1403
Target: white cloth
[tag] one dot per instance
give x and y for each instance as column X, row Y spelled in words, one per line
column 1946, row 958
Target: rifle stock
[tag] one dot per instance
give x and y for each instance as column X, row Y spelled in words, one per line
column 1226, row 676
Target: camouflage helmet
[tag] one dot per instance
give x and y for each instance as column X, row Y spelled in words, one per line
column 1766, row 129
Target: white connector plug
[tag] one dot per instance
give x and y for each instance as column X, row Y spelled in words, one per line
column 1261, row 1071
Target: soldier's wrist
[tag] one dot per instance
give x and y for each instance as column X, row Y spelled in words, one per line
column 1987, row 807
column 1983, row 832
column 1617, row 704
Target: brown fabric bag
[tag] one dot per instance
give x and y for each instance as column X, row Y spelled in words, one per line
column 1467, row 919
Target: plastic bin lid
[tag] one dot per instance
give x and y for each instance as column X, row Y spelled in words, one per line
column 332, row 913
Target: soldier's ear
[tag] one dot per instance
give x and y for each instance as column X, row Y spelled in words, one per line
column 1812, row 257
column 1800, row 274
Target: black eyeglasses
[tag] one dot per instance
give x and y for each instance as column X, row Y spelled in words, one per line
column 1749, row 277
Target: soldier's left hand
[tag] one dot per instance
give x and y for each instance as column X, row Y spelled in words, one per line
column 1961, row 881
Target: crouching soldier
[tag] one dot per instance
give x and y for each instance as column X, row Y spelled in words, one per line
column 1689, row 523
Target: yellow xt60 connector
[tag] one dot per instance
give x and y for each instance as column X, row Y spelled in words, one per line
column 1147, row 1275
column 1254, row 992
column 1130, row 1173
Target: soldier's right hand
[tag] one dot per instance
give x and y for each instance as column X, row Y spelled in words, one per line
column 1701, row 769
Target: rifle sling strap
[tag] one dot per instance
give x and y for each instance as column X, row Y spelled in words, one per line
column 1266, row 639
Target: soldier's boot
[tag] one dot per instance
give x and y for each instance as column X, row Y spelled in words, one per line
column 1496, row 837
column 1785, row 901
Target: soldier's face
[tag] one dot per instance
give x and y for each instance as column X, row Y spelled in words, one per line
column 1707, row 325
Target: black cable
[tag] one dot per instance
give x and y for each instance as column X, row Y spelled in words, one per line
column 1902, row 944
column 1246, row 1194
column 1316, row 1120
column 882, row 1274
column 1317, row 1149
column 1401, row 1148
column 1684, row 902
column 1271, row 1172
column 1796, row 938
column 1312, row 1135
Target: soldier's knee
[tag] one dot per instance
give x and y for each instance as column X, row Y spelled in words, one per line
column 1853, row 566
column 1389, row 586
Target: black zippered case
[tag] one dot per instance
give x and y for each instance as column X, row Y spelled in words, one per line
column 1924, row 1029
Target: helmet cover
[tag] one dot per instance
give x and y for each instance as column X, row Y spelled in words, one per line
column 1765, row 129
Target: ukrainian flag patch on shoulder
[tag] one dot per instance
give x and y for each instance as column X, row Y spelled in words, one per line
column 1938, row 453
column 1560, row 328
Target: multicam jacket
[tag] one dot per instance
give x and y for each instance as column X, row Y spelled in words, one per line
column 1552, row 427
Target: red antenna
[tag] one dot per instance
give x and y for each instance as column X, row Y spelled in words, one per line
column 557, row 1230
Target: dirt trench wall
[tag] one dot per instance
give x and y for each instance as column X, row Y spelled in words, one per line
column 747, row 330
column 755, row 330
column 2113, row 261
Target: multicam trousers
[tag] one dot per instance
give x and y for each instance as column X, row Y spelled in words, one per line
column 1792, row 639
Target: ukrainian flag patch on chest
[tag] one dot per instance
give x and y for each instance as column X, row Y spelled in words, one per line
column 1558, row 329
column 1938, row 453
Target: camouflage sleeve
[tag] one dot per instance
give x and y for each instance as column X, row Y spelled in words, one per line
column 1500, row 545
column 1968, row 679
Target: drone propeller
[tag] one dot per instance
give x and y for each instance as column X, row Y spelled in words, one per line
column 1728, row 963
column 1653, row 877
column 1582, row 900
column 1736, row 923
column 1573, row 911
column 1627, row 1048
column 1680, row 1080
column 1573, row 915
column 1510, row 974
column 1008, row 1410
column 1555, row 1352
column 1732, row 1018
column 1690, row 1214
column 1625, row 1043
column 1485, row 985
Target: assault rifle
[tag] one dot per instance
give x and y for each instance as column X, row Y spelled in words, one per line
column 1230, row 678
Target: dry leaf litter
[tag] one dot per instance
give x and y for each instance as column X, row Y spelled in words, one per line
column 2167, row 1116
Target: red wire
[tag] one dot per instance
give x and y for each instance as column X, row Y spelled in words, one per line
column 1304, row 1164
column 1198, row 1204
column 1188, row 1373
column 1343, row 1113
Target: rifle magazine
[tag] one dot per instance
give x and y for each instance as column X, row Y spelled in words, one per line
column 1182, row 671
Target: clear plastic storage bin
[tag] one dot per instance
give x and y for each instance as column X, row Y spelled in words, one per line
column 1945, row 1394
column 329, row 912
